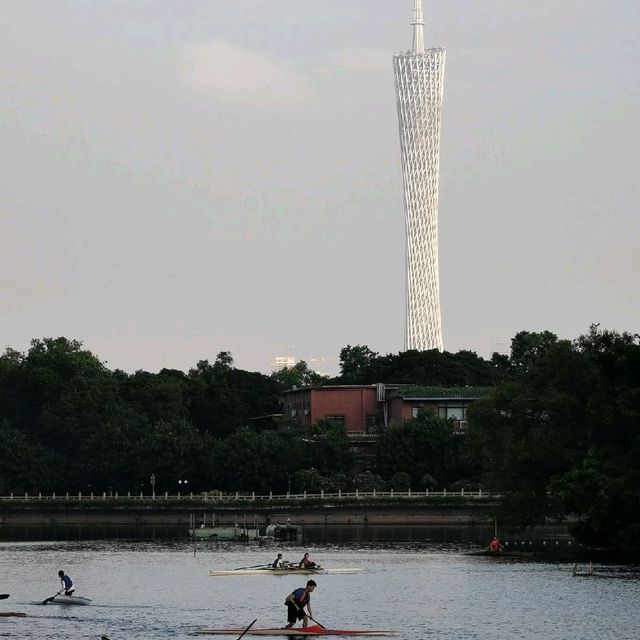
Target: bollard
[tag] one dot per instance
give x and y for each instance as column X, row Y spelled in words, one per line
column 409, row 492
column 253, row 495
column 322, row 494
column 304, row 495
column 53, row 497
column 356, row 494
column 391, row 493
column 270, row 495
column 104, row 495
column 339, row 494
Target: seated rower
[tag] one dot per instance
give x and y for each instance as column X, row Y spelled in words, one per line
column 306, row 563
column 278, row 563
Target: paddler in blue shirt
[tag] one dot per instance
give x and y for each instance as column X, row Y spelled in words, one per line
column 296, row 601
column 67, row 584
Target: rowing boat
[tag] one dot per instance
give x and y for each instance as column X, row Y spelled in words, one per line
column 69, row 600
column 284, row 571
column 309, row 631
column 15, row 614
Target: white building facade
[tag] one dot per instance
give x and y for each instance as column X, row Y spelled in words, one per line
column 419, row 78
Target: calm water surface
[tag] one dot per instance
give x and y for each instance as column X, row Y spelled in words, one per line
column 144, row 590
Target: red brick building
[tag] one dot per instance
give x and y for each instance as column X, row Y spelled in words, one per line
column 364, row 409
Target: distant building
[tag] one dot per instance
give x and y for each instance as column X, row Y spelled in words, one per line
column 282, row 362
column 365, row 410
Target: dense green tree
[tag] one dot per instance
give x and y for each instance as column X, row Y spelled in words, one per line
column 25, row 466
column 360, row 365
column 426, row 444
column 356, row 364
column 562, row 434
column 299, row 375
column 328, row 448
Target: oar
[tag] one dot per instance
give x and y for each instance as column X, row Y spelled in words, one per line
column 4, row 596
column 48, row 600
column 247, row 629
column 320, row 625
column 255, row 566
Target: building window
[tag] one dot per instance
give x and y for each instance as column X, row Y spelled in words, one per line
column 373, row 423
column 337, row 420
column 452, row 411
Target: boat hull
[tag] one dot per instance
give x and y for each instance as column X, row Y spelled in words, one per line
column 67, row 601
column 14, row 614
column 285, row 572
column 309, row 631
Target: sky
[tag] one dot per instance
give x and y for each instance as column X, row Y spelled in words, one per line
column 185, row 177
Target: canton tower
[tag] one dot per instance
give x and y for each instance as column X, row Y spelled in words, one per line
column 419, row 78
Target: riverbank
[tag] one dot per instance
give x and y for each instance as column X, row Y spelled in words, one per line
column 159, row 511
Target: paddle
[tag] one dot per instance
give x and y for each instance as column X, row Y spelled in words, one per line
column 320, row 625
column 48, row 600
column 247, row 629
column 255, row 566
column 4, row 596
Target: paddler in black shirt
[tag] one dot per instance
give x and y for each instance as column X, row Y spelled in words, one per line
column 296, row 601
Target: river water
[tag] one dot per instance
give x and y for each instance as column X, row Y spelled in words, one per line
column 423, row 588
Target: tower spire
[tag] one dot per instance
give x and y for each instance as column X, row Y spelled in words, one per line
column 418, row 28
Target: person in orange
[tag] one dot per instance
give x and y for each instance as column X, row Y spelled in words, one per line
column 495, row 546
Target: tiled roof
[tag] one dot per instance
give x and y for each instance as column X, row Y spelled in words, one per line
column 439, row 393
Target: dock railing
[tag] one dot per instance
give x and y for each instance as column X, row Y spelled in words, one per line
column 239, row 496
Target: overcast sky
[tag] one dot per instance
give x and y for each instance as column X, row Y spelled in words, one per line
column 185, row 177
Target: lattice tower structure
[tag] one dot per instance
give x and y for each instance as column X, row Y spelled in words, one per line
column 419, row 79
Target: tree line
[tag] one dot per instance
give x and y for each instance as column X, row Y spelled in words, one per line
column 559, row 434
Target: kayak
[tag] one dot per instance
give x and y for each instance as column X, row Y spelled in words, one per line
column 270, row 571
column 15, row 614
column 69, row 600
column 501, row 554
column 309, row 631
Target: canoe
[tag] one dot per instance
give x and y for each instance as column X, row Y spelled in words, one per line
column 15, row 614
column 69, row 600
column 309, row 631
column 270, row 571
column 501, row 554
